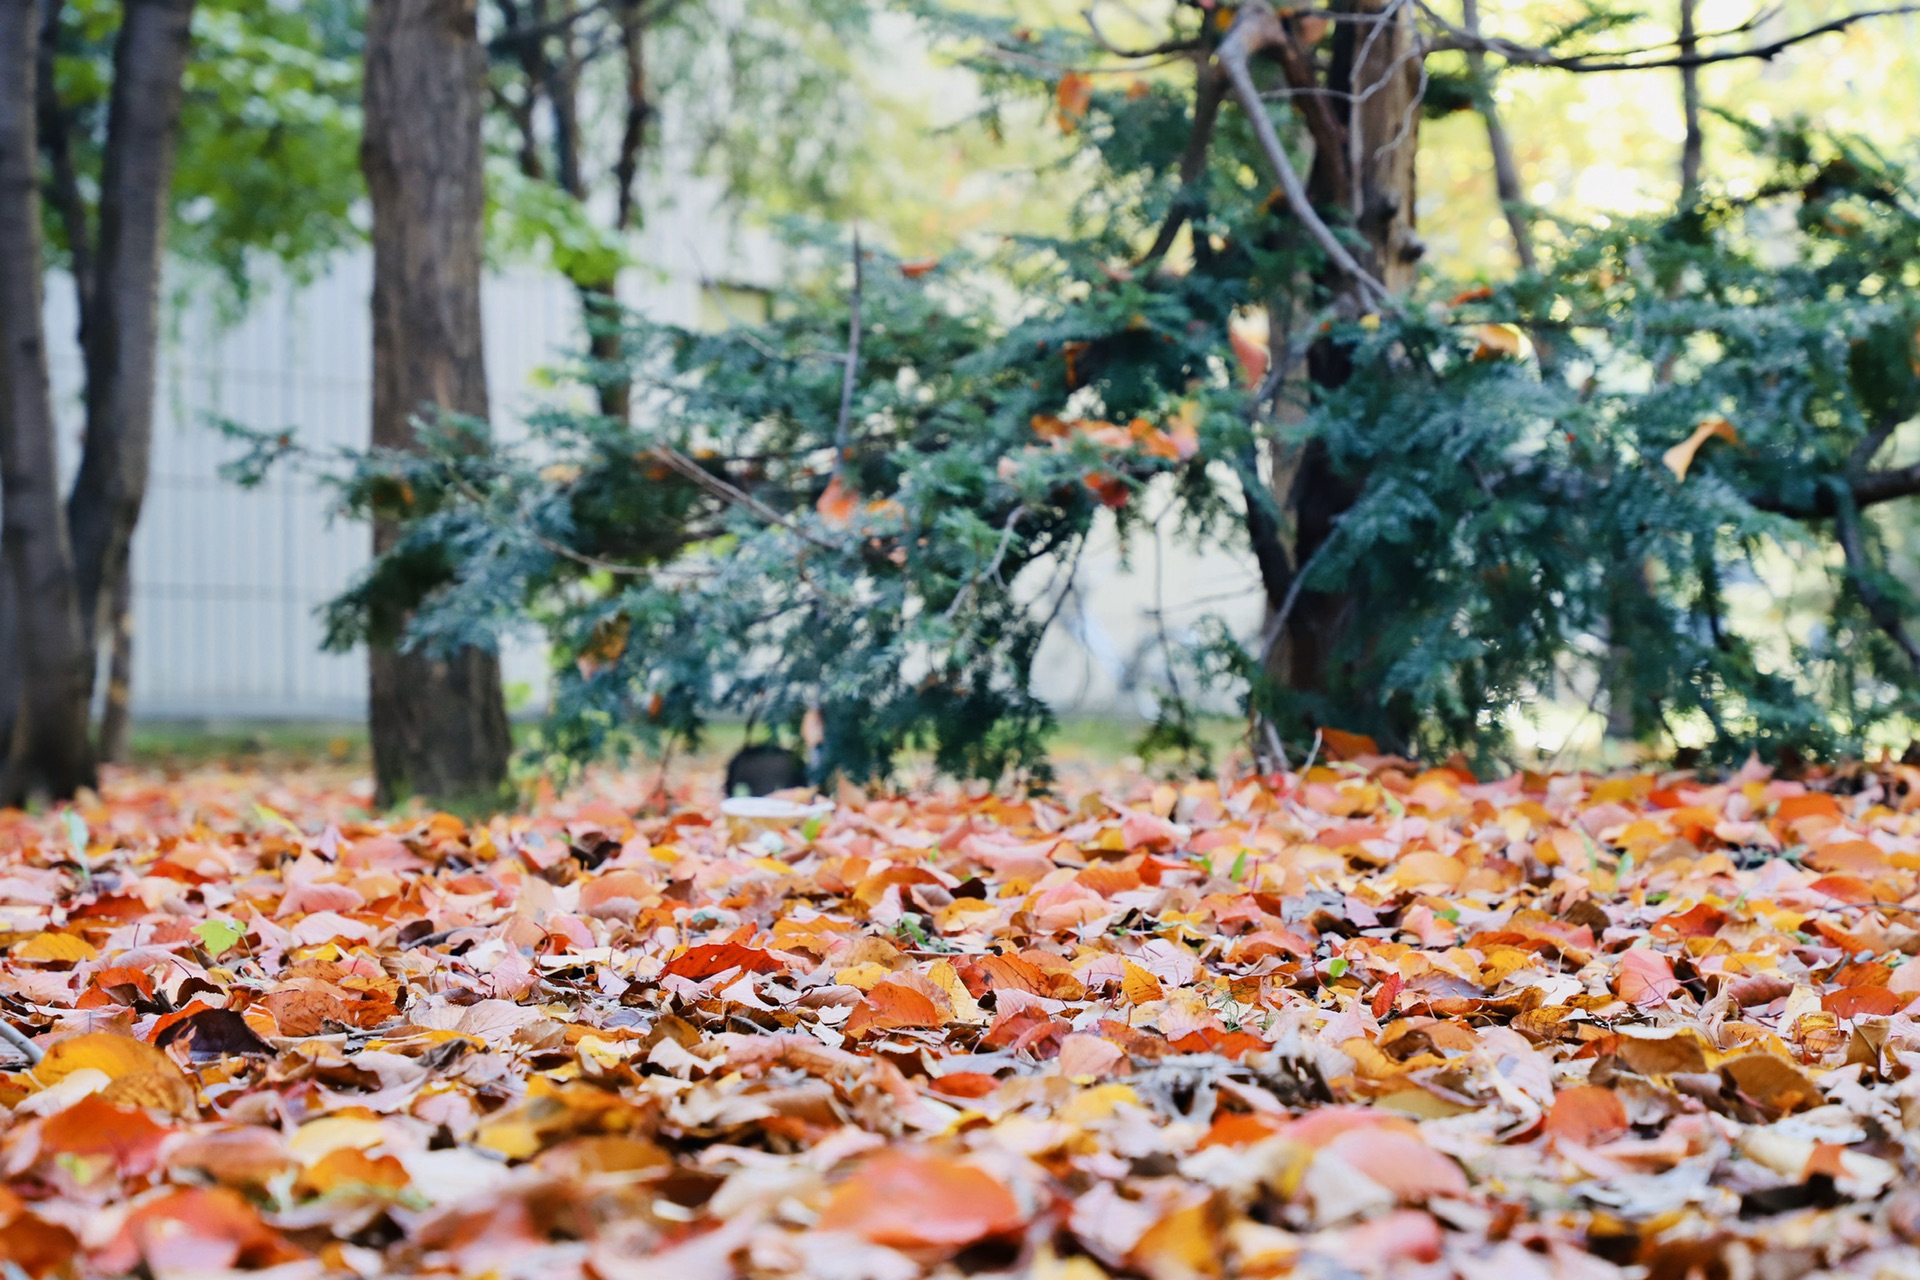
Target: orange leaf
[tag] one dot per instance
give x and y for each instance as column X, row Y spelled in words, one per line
column 1680, row 458
column 95, row 1127
column 1850, row 1003
column 1500, row 341
column 837, row 504
column 916, row 1202
column 1586, row 1116
column 890, row 1006
column 1112, row 490
column 918, row 267
column 1072, row 96
column 1252, row 346
column 1337, row 744
column 703, row 962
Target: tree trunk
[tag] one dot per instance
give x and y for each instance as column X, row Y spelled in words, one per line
column 48, row 751
column 1375, row 70
column 1693, row 149
column 123, row 320
column 116, row 716
column 438, row 726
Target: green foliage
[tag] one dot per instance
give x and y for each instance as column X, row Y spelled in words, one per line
column 268, row 162
column 1514, row 529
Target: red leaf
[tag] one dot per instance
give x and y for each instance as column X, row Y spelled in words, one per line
column 1645, row 977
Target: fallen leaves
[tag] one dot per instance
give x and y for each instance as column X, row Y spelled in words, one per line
column 1366, row 1016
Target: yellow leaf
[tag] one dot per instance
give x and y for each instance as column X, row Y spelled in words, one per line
column 49, row 948
column 1139, row 986
column 141, row 1075
column 1498, row 340
column 1680, row 457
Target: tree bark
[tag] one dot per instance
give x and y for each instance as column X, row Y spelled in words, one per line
column 1375, row 68
column 48, row 752
column 116, row 715
column 123, row 320
column 1692, row 150
column 56, row 140
column 438, row 725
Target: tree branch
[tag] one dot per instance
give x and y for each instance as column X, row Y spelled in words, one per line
column 1210, row 90
column 1884, row 486
column 1534, row 56
column 843, row 428
column 1506, row 174
column 1159, row 50
column 1256, row 27
column 1860, row 572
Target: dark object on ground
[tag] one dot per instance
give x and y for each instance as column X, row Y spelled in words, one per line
column 764, row 768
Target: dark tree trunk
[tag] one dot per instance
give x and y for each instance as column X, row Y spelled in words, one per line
column 48, row 752
column 1693, row 148
column 439, row 726
column 123, row 320
column 116, row 714
column 1374, row 70
column 56, row 140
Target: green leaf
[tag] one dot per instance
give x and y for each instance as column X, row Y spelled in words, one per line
column 1337, row 967
column 219, row 934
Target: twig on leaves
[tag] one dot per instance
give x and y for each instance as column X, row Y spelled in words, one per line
column 18, row 1041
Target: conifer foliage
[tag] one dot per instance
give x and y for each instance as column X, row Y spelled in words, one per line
column 1597, row 476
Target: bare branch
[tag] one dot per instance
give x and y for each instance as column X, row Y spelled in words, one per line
column 1884, row 486
column 843, row 430
column 1159, row 50
column 727, row 492
column 1506, row 174
column 1257, row 27
column 1533, row 56
column 993, row 567
column 1210, row 91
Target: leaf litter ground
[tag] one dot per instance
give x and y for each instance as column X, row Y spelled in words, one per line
column 1375, row 1020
